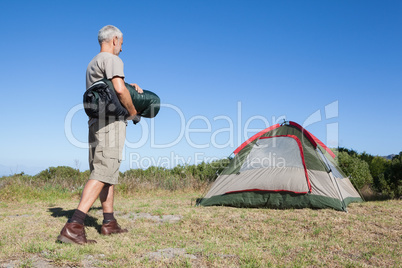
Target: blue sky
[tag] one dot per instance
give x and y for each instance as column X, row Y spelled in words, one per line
column 223, row 70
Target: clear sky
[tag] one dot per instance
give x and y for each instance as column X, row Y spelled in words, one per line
column 223, row 70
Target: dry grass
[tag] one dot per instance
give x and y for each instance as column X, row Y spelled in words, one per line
column 369, row 235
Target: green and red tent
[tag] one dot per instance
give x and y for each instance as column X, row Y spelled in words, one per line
column 283, row 166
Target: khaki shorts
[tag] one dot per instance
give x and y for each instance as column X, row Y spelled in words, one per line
column 106, row 142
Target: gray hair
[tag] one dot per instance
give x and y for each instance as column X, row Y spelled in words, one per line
column 107, row 33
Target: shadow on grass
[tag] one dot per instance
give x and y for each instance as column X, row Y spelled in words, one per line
column 89, row 220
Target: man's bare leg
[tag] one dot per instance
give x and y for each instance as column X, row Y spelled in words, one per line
column 106, row 197
column 110, row 225
column 91, row 192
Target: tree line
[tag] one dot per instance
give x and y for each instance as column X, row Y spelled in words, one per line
column 375, row 177
column 383, row 176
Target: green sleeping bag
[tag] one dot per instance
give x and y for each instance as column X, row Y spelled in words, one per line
column 101, row 101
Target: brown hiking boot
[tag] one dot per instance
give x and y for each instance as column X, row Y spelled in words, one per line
column 112, row 227
column 74, row 232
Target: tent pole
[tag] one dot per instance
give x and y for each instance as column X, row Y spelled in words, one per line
column 332, row 177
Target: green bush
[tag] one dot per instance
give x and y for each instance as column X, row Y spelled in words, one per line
column 378, row 167
column 60, row 171
column 181, row 177
column 358, row 170
column 393, row 176
column 386, row 174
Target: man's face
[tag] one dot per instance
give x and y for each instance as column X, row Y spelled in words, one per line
column 117, row 45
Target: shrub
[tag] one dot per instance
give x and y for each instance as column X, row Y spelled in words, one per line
column 181, row 177
column 386, row 174
column 357, row 169
column 393, row 177
column 60, row 171
column 378, row 167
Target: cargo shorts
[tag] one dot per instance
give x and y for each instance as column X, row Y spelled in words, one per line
column 106, row 141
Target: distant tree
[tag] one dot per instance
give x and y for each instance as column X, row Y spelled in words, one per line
column 357, row 169
column 393, row 176
column 366, row 157
column 378, row 166
column 386, row 175
column 350, row 152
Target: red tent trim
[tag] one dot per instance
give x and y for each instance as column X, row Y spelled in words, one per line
column 314, row 140
column 305, row 132
column 323, row 145
column 256, row 136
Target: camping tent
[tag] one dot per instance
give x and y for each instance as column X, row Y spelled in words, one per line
column 283, row 166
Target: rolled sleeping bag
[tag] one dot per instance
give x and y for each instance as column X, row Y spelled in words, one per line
column 101, row 101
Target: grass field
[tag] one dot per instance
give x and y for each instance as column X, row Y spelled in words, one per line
column 167, row 230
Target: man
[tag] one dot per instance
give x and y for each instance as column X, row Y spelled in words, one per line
column 106, row 140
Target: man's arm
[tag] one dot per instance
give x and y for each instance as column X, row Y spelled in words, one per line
column 124, row 96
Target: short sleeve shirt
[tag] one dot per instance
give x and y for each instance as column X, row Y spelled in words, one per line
column 104, row 65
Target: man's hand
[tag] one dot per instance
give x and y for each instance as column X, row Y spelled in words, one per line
column 137, row 88
column 136, row 119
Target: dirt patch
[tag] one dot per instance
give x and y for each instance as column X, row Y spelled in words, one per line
column 34, row 261
column 169, row 253
column 156, row 218
column 90, row 261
